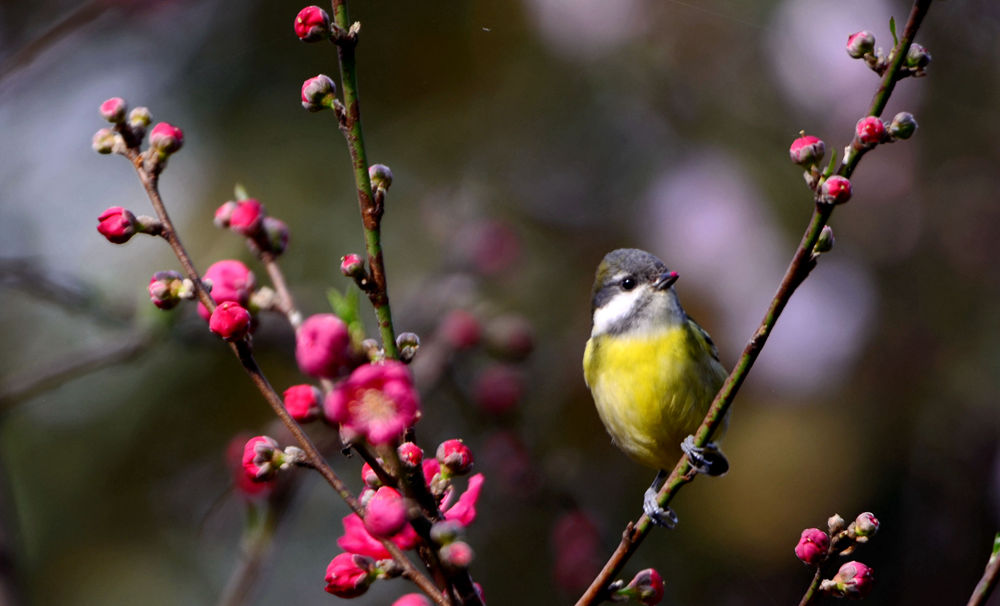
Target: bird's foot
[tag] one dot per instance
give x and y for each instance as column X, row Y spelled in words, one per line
column 661, row 516
column 707, row 459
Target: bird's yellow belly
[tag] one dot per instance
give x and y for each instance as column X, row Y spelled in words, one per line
column 652, row 391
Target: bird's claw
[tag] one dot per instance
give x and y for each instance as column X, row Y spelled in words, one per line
column 661, row 516
column 707, row 459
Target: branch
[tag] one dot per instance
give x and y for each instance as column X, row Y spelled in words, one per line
column 989, row 579
column 798, row 270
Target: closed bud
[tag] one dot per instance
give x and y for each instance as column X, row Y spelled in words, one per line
column 812, row 546
column 853, row 580
column 223, row 213
column 166, row 288
column 352, row 266
column 865, row 525
column 412, row 599
column 869, row 131
column 903, row 126
column 807, row 151
column 447, row 531
column 835, row 524
column 104, row 141
column 246, row 218
column 117, row 224
column 460, row 329
column 646, row 587
column 410, row 454
column 274, row 234
column 312, row 24
column 349, row 575
column 455, row 457
column 860, row 44
column 835, row 190
column 258, row 458
column 408, row 343
column 139, row 120
column 385, row 513
column 380, row 175
column 917, row 58
column 230, row 321
column 113, row 110
column 457, row 554
column 318, row 93
column 369, row 477
column 825, row 244
column 166, row 138
column 303, row 402
column 323, row 346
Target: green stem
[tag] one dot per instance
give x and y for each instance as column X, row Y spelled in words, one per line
column 802, row 263
column 810, row 593
column 371, row 215
column 988, row 581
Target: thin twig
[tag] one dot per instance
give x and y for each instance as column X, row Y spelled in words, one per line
column 988, row 581
column 281, row 287
column 798, row 270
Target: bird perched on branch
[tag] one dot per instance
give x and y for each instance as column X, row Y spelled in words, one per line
column 653, row 372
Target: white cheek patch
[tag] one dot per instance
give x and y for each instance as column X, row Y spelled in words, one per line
column 617, row 309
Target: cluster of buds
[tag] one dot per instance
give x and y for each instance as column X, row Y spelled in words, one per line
column 247, row 217
column 168, row 288
column 854, row 579
column 263, row 458
column 646, row 587
column 861, row 45
column 118, row 225
column 807, row 151
column 127, row 131
column 871, row 131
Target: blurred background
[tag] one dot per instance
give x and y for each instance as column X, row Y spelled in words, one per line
column 527, row 139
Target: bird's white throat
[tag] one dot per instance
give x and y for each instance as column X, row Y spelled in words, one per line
column 641, row 310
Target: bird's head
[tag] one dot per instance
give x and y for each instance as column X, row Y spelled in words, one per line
column 633, row 293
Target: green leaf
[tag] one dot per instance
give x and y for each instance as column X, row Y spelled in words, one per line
column 240, row 192
column 347, row 307
column 892, row 30
column 833, row 163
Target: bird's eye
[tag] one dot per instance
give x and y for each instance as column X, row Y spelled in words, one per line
column 628, row 283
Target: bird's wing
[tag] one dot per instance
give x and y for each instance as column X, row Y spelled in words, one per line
column 704, row 335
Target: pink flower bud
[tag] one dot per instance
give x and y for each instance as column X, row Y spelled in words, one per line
column 510, row 337
column 245, row 484
column 903, row 126
column 349, row 575
column 807, row 151
column 860, row 44
column 460, row 329
column 303, row 402
column 139, row 118
column 385, row 514
column 498, row 389
column 457, row 554
column 413, row 599
column 223, row 214
column 318, row 93
column 104, row 141
column 455, row 457
column 410, row 454
column 231, row 281
column 812, row 546
column 113, row 110
column 647, row 587
column 166, row 138
column 323, row 346
column 247, row 217
column 576, row 545
column 117, row 225
column 377, row 402
column 351, row 265
column 866, row 525
column 380, row 175
column 853, row 580
column 312, row 24
column 917, row 57
column 870, row 131
column 369, row 477
column 230, row 321
column 258, row 456
column 272, row 238
column 835, row 190
column 164, row 289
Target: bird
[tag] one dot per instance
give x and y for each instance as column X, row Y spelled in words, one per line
column 652, row 370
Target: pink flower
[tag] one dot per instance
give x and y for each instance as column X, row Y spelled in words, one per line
column 113, row 110
column 318, row 93
column 303, row 402
column 231, row 281
column 457, row 554
column 166, row 138
column 246, row 485
column 312, row 24
column 223, row 213
column 117, row 225
column 377, row 402
column 230, row 321
column 164, row 289
column 647, row 587
column 349, row 575
column 357, row 540
column 812, row 546
column 464, row 511
column 247, row 217
column 835, row 190
column 410, row 454
column 431, row 469
column 455, row 456
column 870, row 131
column 853, row 580
column 385, row 513
column 258, row 454
column 351, row 265
column 460, row 329
column 412, row 599
column 323, row 346
column 498, row 389
column 807, row 151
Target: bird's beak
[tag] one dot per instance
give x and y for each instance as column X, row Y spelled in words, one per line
column 665, row 280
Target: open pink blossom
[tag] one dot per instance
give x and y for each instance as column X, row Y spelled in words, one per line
column 377, row 402
column 357, row 540
column 231, row 281
column 464, row 510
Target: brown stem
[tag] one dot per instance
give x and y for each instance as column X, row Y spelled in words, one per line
column 281, row 287
column 988, row 581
